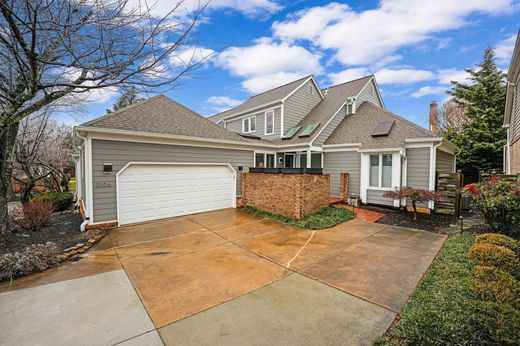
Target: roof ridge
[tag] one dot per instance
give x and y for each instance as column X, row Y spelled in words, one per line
column 281, row 86
column 350, row 81
column 119, row 111
column 398, row 117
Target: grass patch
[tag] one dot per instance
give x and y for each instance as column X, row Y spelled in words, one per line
column 325, row 218
column 72, row 185
column 440, row 311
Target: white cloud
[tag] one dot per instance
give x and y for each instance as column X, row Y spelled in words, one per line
column 269, row 63
column 504, row 49
column 403, row 76
column 363, row 37
column 447, row 75
column 348, row 75
column 191, row 56
column 429, row 90
column 223, row 103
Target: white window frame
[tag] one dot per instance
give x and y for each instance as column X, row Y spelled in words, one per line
column 265, row 158
column 251, row 119
column 271, row 112
column 380, row 177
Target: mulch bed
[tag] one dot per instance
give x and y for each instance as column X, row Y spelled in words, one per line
column 431, row 223
column 63, row 230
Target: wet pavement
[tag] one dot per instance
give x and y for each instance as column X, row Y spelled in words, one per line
column 224, row 277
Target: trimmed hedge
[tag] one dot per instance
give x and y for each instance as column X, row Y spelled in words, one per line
column 495, row 256
column 60, row 200
column 499, row 239
column 494, row 285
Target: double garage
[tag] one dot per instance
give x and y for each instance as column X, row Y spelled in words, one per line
column 151, row 181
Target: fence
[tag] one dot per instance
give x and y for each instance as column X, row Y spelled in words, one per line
column 450, row 184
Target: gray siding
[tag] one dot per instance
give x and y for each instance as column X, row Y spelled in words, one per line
column 444, row 162
column 327, row 131
column 369, row 93
column 515, row 115
column 343, row 162
column 418, row 168
column 299, row 104
column 376, row 197
column 236, row 125
column 120, row 153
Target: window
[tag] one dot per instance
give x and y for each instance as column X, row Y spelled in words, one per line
column 269, row 122
column 249, row 124
column 264, row 160
column 381, row 171
column 221, row 124
column 350, row 107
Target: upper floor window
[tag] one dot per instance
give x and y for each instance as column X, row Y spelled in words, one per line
column 380, row 170
column 269, row 122
column 221, row 124
column 350, row 107
column 249, row 124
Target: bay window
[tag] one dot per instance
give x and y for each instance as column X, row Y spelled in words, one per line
column 380, row 171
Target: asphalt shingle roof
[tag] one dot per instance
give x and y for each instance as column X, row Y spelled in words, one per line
column 358, row 127
column 160, row 114
column 335, row 97
column 266, row 97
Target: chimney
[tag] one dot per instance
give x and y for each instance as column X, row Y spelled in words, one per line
column 434, row 117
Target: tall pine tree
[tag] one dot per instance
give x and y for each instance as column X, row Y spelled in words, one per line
column 482, row 137
column 128, row 97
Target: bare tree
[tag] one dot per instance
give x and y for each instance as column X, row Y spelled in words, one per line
column 52, row 51
column 452, row 116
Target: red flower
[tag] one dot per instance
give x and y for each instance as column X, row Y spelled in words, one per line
column 472, row 189
column 492, row 179
column 517, row 191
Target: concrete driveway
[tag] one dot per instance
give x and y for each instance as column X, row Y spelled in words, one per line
column 223, row 277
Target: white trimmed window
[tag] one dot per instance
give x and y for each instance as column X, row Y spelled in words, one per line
column 380, row 171
column 269, row 122
column 249, row 124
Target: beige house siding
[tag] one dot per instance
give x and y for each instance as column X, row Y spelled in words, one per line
column 335, row 163
column 445, row 162
column 515, row 157
column 299, row 104
column 418, row 168
column 515, row 115
column 120, row 153
column 369, row 93
column 236, row 124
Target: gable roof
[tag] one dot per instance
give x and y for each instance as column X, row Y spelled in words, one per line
column 162, row 115
column 335, row 97
column 513, row 74
column 357, row 128
column 267, row 97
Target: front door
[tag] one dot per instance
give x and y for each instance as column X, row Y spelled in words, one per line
column 289, row 160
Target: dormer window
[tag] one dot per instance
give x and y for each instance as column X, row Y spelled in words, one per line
column 249, row 124
column 350, row 107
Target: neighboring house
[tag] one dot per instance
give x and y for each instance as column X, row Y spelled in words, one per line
column 512, row 114
column 158, row 159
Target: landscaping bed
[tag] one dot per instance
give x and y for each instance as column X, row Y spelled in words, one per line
column 62, row 229
column 325, row 218
column 401, row 218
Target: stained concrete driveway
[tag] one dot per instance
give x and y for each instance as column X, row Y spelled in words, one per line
column 223, row 277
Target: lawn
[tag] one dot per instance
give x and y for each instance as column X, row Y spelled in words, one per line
column 325, row 218
column 440, row 311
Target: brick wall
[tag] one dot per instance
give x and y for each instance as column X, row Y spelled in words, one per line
column 294, row 195
column 515, row 157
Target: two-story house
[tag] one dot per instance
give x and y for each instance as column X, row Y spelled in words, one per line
column 512, row 114
column 158, row 159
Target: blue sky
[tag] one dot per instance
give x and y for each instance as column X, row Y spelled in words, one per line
column 414, row 48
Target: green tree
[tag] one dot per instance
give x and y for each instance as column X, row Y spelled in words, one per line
column 481, row 138
column 127, row 98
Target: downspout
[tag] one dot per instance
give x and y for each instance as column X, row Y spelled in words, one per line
column 434, row 168
column 85, row 222
column 403, row 158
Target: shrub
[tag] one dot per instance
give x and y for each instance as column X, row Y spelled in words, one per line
column 34, row 258
column 498, row 203
column 60, row 200
column 499, row 239
column 494, row 285
column 495, row 256
column 500, row 322
column 415, row 196
column 32, row 216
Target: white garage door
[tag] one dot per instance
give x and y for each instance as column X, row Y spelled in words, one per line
column 155, row 191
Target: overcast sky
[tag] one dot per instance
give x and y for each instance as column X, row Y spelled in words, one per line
column 414, row 47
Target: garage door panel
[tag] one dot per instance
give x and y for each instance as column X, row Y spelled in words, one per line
column 149, row 191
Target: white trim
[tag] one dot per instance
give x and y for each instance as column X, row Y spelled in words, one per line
column 251, row 110
column 418, row 145
column 341, row 145
column 423, row 139
column 301, row 85
column 433, row 164
column 381, row 150
column 282, row 111
column 234, row 194
column 250, row 120
column 364, row 178
column 335, row 150
column 265, row 122
column 88, row 181
column 309, row 159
